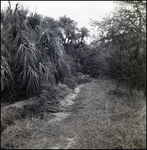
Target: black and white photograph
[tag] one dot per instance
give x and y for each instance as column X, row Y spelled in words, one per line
column 73, row 74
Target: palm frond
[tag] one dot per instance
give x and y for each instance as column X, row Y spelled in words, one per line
column 33, row 81
column 36, row 57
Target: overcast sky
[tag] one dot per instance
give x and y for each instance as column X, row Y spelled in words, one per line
column 79, row 11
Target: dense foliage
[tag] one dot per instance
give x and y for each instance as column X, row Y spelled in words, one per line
column 121, row 43
column 32, row 57
column 38, row 52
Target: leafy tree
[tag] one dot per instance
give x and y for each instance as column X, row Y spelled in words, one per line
column 123, row 34
column 70, row 33
column 83, row 33
column 68, row 29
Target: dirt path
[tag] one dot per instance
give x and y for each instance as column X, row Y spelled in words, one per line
column 88, row 106
column 92, row 117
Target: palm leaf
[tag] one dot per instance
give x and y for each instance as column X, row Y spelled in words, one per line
column 33, row 81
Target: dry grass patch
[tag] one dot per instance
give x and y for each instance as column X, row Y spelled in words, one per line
column 104, row 121
column 113, row 120
column 46, row 101
column 24, row 122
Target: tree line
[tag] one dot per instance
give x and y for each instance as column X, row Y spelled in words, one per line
column 34, row 51
column 121, row 44
column 38, row 52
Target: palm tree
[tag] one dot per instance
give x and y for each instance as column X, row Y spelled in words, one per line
column 32, row 56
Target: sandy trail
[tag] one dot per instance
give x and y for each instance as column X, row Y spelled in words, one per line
column 98, row 120
column 91, row 117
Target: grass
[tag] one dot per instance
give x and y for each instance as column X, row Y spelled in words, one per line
column 46, row 101
column 106, row 119
column 118, row 123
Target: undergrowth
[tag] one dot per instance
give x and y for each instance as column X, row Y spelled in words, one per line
column 111, row 120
